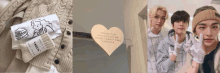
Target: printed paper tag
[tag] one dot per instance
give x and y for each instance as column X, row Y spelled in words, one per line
column 36, row 46
column 109, row 40
column 36, row 27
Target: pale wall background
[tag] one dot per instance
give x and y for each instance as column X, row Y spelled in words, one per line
column 133, row 24
column 189, row 6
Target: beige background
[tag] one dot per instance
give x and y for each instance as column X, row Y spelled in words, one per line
column 135, row 12
column 189, row 6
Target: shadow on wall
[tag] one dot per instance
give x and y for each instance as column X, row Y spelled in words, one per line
column 129, row 56
column 90, row 58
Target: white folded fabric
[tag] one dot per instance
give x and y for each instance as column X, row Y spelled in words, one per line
column 36, row 27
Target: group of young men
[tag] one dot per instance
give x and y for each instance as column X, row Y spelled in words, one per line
column 168, row 50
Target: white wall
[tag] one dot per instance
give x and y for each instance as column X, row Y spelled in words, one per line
column 87, row 13
column 132, row 31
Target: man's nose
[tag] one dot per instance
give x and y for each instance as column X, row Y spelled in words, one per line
column 181, row 23
column 208, row 32
column 159, row 20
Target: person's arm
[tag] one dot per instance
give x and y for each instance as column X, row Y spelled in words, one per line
column 198, row 55
column 190, row 66
column 173, row 57
column 164, row 63
column 194, row 68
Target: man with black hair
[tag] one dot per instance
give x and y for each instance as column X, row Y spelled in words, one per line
column 170, row 53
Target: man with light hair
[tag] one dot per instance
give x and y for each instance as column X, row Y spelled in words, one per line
column 156, row 32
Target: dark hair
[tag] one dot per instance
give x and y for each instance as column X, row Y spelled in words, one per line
column 180, row 16
column 203, row 8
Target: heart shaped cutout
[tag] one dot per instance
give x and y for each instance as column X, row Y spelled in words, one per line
column 109, row 40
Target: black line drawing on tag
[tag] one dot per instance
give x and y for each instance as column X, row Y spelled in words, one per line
column 21, row 33
column 39, row 28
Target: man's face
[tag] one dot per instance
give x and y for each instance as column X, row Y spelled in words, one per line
column 180, row 27
column 158, row 20
column 209, row 29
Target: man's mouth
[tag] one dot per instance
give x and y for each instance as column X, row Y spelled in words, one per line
column 208, row 40
column 181, row 28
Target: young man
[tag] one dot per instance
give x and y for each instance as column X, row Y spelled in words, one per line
column 157, row 15
column 170, row 53
column 205, row 53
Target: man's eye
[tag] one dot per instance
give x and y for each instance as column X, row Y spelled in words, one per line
column 215, row 26
column 201, row 27
column 156, row 16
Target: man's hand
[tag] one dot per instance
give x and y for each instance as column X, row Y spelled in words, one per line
column 177, row 46
column 187, row 45
column 197, row 51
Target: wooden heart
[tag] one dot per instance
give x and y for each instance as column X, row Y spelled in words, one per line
column 109, row 40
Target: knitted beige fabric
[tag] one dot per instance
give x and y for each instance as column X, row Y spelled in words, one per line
column 205, row 15
column 26, row 55
column 40, row 8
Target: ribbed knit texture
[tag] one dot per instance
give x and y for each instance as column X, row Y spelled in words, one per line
column 63, row 10
column 205, row 15
column 26, row 55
